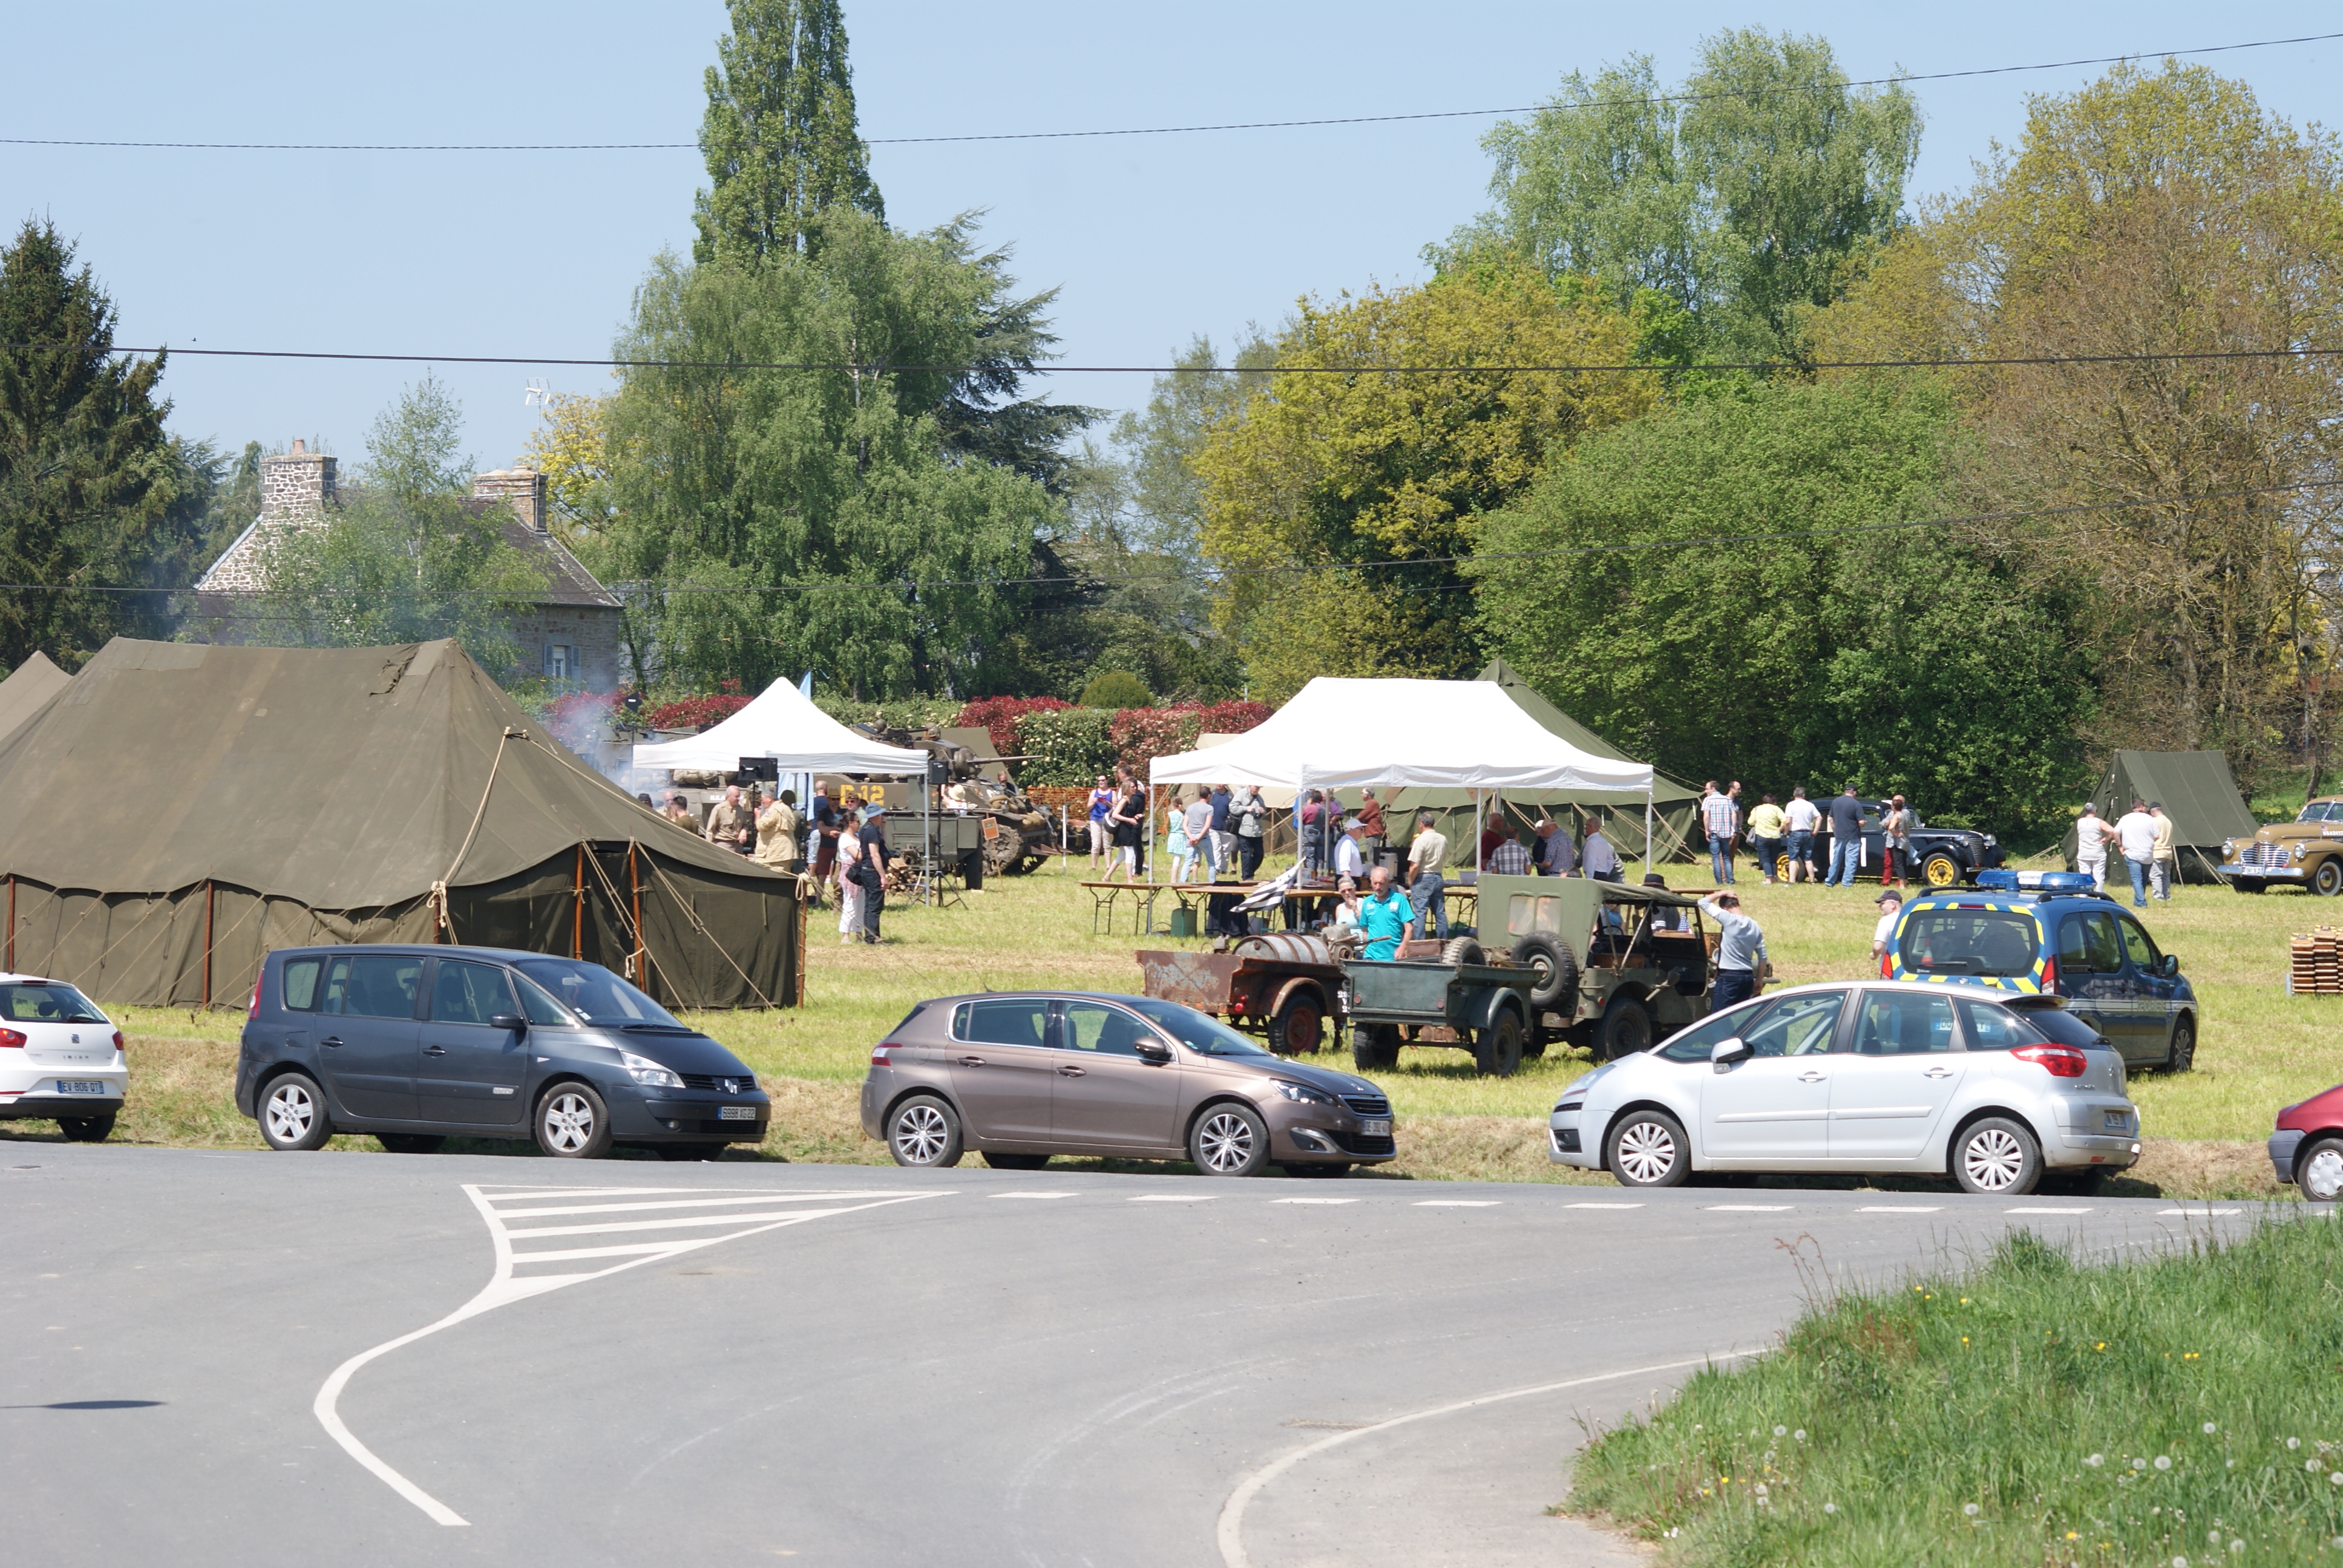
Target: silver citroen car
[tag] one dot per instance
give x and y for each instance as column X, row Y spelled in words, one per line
column 2005, row 1093
column 1022, row 1077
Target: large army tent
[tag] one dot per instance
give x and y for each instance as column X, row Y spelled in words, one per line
column 27, row 689
column 2200, row 794
column 1675, row 805
column 181, row 810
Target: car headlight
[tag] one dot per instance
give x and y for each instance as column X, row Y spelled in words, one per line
column 649, row 1073
column 1991, row 840
column 1302, row 1092
column 2297, row 851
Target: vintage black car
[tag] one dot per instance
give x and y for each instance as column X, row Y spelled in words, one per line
column 1941, row 857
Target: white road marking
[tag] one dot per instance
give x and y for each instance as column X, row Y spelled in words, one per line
column 1033, row 1194
column 1748, row 1208
column 2199, row 1213
column 1230, row 1534
column 1901, row 1208
column 1313, row 1200
column 1602, row 1205
column 503, row 1287
column 1174, row 1198
column 2039, row 1209
column 1458, row 1203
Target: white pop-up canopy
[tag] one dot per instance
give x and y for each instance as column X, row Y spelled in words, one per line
column 783, row 724
column 1338, row 734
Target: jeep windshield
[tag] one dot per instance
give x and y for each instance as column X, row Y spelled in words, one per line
column 1996, row 943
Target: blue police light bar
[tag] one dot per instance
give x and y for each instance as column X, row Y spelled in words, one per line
column 2035, row 881
column 2001, row 881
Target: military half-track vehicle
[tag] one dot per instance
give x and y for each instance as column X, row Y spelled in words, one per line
column 971, row 779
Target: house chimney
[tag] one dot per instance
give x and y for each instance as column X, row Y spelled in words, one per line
column 296, row 485
column 522, row 489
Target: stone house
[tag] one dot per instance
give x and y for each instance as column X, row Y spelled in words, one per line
column 570, row 635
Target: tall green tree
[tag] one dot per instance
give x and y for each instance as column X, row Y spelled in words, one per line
column 985, row 416
column 1740, row 199
column 778, row 134
column 93, row 493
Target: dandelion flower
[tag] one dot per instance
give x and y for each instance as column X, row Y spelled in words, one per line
column 1799, row 1435
column 2337, row 1478
column 2236, row 1547
column 1780, row 1432
column 2311, row 1466
column 2210, row 1428
column 2163, row 1462
column 1830, row 1508
column 1760, row 1489
column 2180, row 1563
column 2294, row 1442
column 2139, row 1464
column 2096, row 1460
column 1970, row 1509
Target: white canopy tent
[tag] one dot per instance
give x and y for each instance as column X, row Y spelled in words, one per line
column 1345, row 734
column 783, row 724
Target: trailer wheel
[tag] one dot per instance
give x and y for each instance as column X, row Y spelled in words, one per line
column 1375, row 1046
column 1300, row 1026
column 1497, row 1050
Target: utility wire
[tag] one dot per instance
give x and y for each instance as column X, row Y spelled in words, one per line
column 2033, row 514
column 2292, row 351
column 1165, row 130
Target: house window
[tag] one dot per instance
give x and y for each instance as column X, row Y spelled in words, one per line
column 562, row 662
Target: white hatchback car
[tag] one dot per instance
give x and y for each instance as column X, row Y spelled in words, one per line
column 2005, row 1093
column 60, row 1058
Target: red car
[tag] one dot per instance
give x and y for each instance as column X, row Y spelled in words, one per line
column 2308, row 1147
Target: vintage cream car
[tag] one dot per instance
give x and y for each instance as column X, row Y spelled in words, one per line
column 2306, row 852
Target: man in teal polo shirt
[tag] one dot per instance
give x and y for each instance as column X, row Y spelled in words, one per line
column 1385, row 916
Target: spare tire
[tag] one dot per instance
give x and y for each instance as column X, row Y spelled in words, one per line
column 1463, row 951
column 1557, row 970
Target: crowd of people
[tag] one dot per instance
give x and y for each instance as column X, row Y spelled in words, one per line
column 2142, row 837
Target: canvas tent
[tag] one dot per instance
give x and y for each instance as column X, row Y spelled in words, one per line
column 2200, row 794
column 27, row 689
column 1675, row 806
column 378, row 794
column 783, row 723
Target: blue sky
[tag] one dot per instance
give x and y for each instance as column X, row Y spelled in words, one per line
column 1152, row 238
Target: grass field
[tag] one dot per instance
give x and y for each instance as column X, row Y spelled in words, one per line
column 2260, row 1048
column 2028, row 1412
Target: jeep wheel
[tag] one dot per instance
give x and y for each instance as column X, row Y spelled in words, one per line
column 2327, row 880
column 1625, row 1029
column 1940, row 871
column 1555, row 965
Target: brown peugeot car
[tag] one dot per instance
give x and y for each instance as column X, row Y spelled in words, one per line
column 1019, row 1077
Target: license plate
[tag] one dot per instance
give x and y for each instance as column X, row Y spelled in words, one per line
column 736, row 1114
column 2117, row 1121
column 81, row 1086
column 1381, row 1129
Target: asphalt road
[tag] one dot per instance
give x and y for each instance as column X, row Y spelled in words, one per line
column 860, row 1366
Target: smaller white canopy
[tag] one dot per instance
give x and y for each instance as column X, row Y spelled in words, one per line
column 1340, row 734
column 783, row 723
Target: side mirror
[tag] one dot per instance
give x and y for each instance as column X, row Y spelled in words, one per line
column 1153, row 1051
column 1729, row 1051
column 511, row 1020
column 2168, row 966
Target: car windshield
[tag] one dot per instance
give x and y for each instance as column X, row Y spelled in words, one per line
column 597, row 996
column 1205, row 1036
column 48, row 1002
column 1958, row 941
column 2316, row 811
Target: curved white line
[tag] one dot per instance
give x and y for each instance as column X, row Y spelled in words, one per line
column 1230, row 1531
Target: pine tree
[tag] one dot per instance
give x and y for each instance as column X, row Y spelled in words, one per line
column 779, row 136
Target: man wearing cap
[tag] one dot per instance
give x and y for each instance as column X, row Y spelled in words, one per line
column 1740, row 952
column 2161, row 871
column 1350, row 859
column 1665, row 916
column 1883, row 935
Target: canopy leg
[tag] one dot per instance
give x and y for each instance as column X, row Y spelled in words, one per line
column 1647, row 830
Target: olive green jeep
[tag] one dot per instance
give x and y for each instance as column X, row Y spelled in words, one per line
column 1620, row 965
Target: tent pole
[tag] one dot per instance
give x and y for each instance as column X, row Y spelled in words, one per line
column 1475, row 861
column 11, row 922
column 927, row 855
column 1647, row 830
column 578, row 907
column 207, row 943
column 634, row 892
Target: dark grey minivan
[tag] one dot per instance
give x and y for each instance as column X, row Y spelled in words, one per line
column 412, row 1044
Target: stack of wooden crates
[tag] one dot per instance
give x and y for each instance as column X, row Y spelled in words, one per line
column 2318, row 963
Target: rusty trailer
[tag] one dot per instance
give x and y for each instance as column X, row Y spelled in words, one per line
column 1284, row 984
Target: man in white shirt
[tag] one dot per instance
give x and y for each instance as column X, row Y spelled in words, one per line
column 2091, row 834
column 1804, row 817
column 1600, row 859
column 1883, row 935
column 2137, row 834
column 1350, row 860
column 1425, row 858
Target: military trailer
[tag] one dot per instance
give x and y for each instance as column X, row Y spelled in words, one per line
column 1449, row 996
column 1286, row 985
column 1619, row 965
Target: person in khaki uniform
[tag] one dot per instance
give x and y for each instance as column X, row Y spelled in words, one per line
column 2160, row 867
column 733, row 825
column 777, row 833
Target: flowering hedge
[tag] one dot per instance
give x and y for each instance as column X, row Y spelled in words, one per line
column 1065, row 745
column 691, row 712
column 1071, row 746
column 999, row 715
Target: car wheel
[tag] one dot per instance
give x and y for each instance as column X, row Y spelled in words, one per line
column 924, row 1133
column 292, row 1113
column 2319, row 1170
column 1299, row 1026
column 2072, row 1183
column 2327, row 880
column 1463, row 951
column 1940, row 871
column 1648, row 1148
column 1997, row 1157
column 1229, row 1141
column 409, row 1143
column 572, row 1124
column 1625, row 1029
column 1556, row 968
column 2182, row 1056
column 1002, row 1161
column 1375, row 1046
column 1497, row 1050
column 87, row 1129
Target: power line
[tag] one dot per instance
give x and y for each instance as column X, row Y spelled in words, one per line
column 2034, row 513
column 2292, row 351
column 1164, row 130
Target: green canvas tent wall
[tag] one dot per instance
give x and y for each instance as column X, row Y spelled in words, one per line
column 2200, row 794
column 27, row 689
column 180, row 810
column 1675, row 805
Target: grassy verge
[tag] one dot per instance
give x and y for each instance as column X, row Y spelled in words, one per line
column 2259, row 1047
column 2032, row 1411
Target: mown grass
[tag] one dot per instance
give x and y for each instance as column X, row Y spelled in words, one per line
column 2259, row 1047
column 2030, row 1411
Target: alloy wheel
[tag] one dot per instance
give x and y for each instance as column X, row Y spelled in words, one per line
column 1992, row 1159
column 1647, row 1151
column 569, row 1122
column 1225, row 1142
column 2322, row 1174
column 920, row 1135
column 291, row 1112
